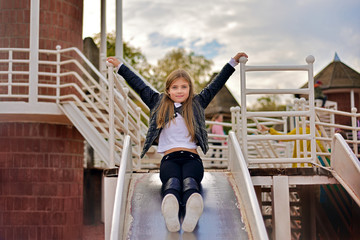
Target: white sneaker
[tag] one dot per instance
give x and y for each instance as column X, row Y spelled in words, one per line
column 194, row 209
column 170, row 211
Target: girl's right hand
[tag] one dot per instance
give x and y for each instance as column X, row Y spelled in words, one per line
column 239, row 55
column 114, row 61
column 262, row 128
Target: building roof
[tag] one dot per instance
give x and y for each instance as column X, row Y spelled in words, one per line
column 221, row 103
column 337, row 75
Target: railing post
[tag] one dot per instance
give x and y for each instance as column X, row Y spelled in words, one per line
column 238, row 124
column 138, row 110
column 34, row 51
column 287, row 144
column 111, row 116
column 58, row 59
column 310, row 61
column 10, row 72
column 243, row 61
column 354, row 132
column 103, row 72
column 126, row 120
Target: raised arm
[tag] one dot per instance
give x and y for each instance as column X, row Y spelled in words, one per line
column 209, row 92
column 146, row 93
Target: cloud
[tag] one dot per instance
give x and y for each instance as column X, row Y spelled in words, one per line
column 271, row 32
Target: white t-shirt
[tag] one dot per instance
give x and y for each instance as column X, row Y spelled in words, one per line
column 175, row 134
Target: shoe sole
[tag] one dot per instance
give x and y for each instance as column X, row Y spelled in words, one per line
column 170, row 211
column 194, row 209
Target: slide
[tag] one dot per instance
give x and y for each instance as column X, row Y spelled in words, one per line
column 222, row 217
column 346, row 167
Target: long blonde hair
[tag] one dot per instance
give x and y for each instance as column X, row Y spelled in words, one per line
column 166, row 107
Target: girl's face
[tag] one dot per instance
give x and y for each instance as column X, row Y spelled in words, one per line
column 179, row 90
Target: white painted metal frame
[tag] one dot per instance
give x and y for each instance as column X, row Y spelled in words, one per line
column 121, row 116
column 244, row 184
column 346, row 167
column 34, row 53
column 281, row 208
column 302, row 113
column 123, row 180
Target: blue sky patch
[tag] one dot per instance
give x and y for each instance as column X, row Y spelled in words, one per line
column 209, row 50
column 158, row 39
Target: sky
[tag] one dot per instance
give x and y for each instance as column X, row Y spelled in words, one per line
column 271, row 32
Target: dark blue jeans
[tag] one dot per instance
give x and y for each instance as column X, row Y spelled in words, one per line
column 181, row 165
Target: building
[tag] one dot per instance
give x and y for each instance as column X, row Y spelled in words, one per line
column 341, row 84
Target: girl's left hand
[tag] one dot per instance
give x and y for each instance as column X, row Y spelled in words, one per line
column 239, row 55
column 114, row 61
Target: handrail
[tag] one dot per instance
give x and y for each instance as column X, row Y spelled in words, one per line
column 346, row 167
column 301, row 112
column 95, row 104
column 118, row 216
column 249, row 201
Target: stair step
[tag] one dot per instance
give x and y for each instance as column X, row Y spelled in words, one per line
column 292, row 204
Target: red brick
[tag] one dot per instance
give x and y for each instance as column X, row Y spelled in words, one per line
column 44, row 204
column 43, row 189
column 21, row 233
column 58, row 218
column 58, row 204
column 28, row 203
column 29, row 161
column 4, row 189
column 32, row 129
column 44, row 145
column 5, row 145
column 54, row 160
column 2, row 205
column 17, row 159
column 9, row 233
column 64, row 189
column 68, row 175
column 4, row 175
column 6, row 160
column 21, row 189
column 54, row 175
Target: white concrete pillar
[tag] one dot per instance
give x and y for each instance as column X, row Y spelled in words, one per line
column 103, row 46
column 119, row 51
column 34, row 51
column 281, row 208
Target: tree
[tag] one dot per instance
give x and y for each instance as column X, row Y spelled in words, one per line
column 132, row 55
column 196, row 65
column 268, row 103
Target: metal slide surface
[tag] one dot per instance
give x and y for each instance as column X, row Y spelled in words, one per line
column 346, row 167
column 221, row 219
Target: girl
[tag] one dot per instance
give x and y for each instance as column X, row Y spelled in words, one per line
column 177, row 125
column 217, row 129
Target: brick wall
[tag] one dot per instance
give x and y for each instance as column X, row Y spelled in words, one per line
column 41, row 181
column 60, row 24
column 344, row 104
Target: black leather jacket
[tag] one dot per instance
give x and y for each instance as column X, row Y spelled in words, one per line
column 152, row 99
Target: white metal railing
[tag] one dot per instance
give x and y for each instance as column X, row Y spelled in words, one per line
column 123, row 179
column 346, row 167
column 91, row 94
column 249, row 201
column 302, row 116
column 63, row 78
column 268, row 148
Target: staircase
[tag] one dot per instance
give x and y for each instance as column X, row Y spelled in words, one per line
column 295, row 211
column 103, row 109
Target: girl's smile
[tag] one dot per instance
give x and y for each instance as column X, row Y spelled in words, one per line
column 179, row 90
